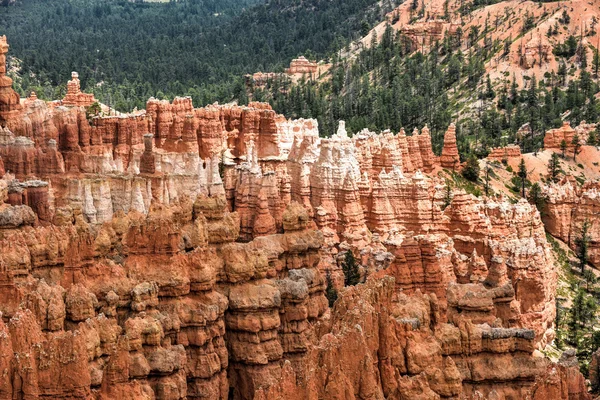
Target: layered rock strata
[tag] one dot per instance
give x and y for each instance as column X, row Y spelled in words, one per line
column 351, row 187
column 570, row 206
column 10, row 103
column 381, row 344
column 554, row 137
column 502, row 154
column 450, row 158
column 183, row 252
column 75, row 97
column 164, row 305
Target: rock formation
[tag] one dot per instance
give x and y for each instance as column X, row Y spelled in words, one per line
column 302, row 66
column 183, row 252
column 554, row 137
column 424, row 33
column 10, row 103
column 569, row 206
column 502, row 154
column 450, row 158
column 382, row 346
column 75, row 97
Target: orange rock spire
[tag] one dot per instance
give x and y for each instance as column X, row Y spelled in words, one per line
column 75, row 97
column 450, row 158
column 9, row 99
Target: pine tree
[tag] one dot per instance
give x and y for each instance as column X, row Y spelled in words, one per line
column 447, row 194
column 590, row 278
column 565, row 18
column 514, row 91
column 582, row 57
column 350, row 269
column 562, row 72
column 486, row 185
column 582, row 243
column 532, row 97
column 489, row 90
column 576, row 146
column 563, row 148
column 592, row 139
column 554, row 167
column 582, row 312
column 596, row 62
column 330, row 292
column 522, row 174
column 574, row 321
column 537, row 197
column 93, row 110
column 471, row 170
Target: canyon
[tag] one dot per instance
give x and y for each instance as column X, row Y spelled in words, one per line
column 180, row 252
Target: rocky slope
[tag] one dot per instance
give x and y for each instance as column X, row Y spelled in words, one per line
column 573, row 198
column 515, row 33
column 182, row 252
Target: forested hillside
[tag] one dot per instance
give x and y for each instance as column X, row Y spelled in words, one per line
column 502, row 78
column 126, row 52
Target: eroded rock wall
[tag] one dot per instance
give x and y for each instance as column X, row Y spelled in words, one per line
column 164, row 305
column 570, row 206
column 183, row 252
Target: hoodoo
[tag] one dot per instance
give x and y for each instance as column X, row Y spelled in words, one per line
column 450, row 158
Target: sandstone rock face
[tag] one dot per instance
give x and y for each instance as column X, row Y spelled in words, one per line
column 382, row 345
column 450, row 158
column 554, row 137
column 504, row 153
column 535, row 50
column 302, row 66
column 75, row 97
column 10, row 103
column 183, row 313
column 424, row 33
column 562, row 380
column 569, row 206
column 183, row 252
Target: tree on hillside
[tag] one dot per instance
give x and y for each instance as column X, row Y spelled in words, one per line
column 554, row 167
column 537, row 197
column 330, row 292
column 582, row 243
column 350, row 269
column 486, row 184
column 581, row 334
column 590, row 278
column 562, row 72
column 93, row 110
column 471, row 170
column 522, row 174
column 576, row 146
column 533, row 110
column 565, row 18
column 581, row 314
column 592, row 139
column 563, row 148
column 489, row 89
column 447, row 194
column 596, row 62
